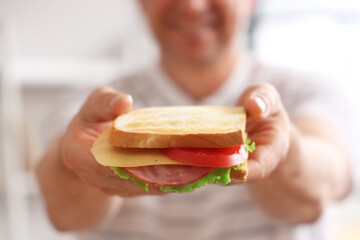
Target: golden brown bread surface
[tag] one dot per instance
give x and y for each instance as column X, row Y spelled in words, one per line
column 185, row 126
column 239, row 174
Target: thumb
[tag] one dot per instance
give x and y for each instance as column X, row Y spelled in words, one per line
column 261, row 101
column 105, row 104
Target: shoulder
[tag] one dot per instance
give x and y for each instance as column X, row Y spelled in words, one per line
column 302, row 93
column 283, row 76
column 287, row 79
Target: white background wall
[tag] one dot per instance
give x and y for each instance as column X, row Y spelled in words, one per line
column 75, row 41
column 71, row 28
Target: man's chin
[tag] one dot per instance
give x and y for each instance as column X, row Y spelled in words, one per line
column 195, row 57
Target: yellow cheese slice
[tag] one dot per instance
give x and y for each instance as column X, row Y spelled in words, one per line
column 107, row 155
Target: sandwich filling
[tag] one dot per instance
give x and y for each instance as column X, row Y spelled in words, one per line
column 218, row 175
column 179, row 170
column 186, row 178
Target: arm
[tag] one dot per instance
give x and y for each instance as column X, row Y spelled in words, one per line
column 299, row 166
column 76, row 189
column 71, row 203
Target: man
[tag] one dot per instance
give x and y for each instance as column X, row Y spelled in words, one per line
column 299, row 166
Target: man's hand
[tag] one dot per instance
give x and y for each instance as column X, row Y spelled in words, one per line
column 96, row 115
column 298, row 166
column 72, row 182
column 268, row 125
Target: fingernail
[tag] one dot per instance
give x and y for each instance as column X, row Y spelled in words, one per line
column 261, row 103
column 115, row 99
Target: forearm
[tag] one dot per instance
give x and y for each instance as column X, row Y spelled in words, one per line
column 71, row 204
column 313, row 173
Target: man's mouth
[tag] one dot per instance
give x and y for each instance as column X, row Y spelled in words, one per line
column 201, row 25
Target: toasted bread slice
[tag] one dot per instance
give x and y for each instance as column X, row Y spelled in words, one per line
column 175, row 127
column 240, row 174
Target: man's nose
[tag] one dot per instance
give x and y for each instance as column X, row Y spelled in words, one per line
column 194, row 7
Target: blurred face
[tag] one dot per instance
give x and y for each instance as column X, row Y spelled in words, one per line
column 196, row 30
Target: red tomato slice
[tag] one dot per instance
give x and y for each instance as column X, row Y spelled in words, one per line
column 209, row 157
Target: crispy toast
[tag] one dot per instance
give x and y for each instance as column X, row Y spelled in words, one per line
column 180, row 127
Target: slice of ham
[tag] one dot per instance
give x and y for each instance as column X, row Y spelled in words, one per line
column 168, row 175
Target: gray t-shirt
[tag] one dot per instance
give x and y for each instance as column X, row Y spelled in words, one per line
column 218, row 212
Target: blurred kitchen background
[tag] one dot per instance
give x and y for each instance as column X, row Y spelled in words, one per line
column 49, row 46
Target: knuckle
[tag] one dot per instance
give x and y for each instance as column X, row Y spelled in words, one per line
column 68, row 161
column 67, row 156
column 263, row 171
column 97, row 107
column 99, row 96
column 262, row 174
column 258, row 172
column 101, row 91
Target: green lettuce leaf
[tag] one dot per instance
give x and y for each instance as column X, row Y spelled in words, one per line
column 219, row 175
column 249, row 146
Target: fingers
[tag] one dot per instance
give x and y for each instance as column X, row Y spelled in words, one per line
column 114, row 185
column 261, row 101
column 270, row 130
column 105, row 104
column 102, row 106
column 261, row 164
column 272, row 146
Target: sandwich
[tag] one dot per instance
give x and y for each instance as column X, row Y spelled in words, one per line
column 177, row 148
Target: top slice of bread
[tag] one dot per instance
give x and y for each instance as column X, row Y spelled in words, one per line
column 180, row 127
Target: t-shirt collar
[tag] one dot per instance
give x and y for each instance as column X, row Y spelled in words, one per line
column 227, row 94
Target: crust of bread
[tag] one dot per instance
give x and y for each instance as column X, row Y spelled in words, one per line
column 180, row 127
column 239, row 174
